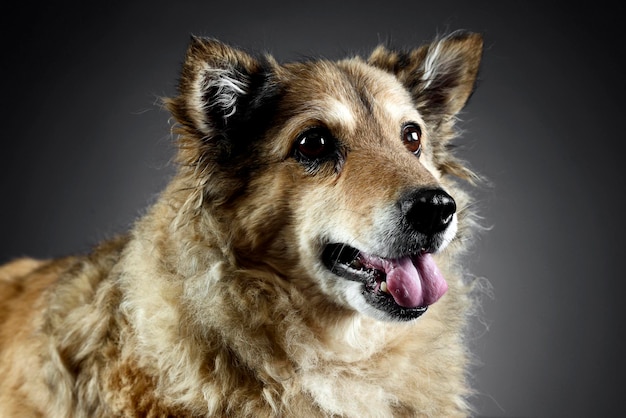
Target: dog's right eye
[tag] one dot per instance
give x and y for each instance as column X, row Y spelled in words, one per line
column 314, row 144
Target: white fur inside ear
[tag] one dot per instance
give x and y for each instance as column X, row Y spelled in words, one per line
column 217, row 91
column 227, row 84
column 431, row 64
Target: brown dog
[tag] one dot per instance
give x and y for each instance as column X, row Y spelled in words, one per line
column 313, row 218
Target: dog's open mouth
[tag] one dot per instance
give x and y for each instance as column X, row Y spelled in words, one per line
column 404, row 287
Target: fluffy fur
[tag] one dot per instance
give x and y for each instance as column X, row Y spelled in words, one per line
column 218, row 302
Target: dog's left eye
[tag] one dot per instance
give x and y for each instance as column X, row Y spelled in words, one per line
column 412, row 138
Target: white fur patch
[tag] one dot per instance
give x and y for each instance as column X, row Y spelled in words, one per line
column 226, row 85
column 342, row 113
column 431, row 64
column 449, row 233
column 331, row 111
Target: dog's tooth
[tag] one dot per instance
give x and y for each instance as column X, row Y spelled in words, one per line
column 383, row 287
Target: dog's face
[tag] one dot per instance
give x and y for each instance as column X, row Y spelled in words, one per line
column 331, row 174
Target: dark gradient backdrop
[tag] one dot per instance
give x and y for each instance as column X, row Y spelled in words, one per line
column 85, row 147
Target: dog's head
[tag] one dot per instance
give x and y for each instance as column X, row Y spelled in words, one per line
column 332, row 175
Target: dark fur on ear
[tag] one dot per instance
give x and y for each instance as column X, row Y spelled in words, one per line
column 441, row 77
column 213, row 78
column 220, row 86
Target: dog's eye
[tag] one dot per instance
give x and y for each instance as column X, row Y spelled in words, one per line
column 315, row 143
column 412, row 138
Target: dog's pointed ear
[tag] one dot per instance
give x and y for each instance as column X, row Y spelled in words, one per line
column 214, row 80
column 440, row 76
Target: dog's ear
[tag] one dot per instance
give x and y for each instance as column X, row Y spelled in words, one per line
column 215, row 81
column 440, row 76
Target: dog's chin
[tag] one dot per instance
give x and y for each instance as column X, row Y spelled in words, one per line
column 396, row 289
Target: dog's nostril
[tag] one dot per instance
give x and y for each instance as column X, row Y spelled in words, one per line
column 429, row 211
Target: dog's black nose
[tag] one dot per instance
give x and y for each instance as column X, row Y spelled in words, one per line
column 429, row 211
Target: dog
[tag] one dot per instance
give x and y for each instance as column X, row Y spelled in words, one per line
column 303, row 261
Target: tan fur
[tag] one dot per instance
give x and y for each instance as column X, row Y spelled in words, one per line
column 216, row 304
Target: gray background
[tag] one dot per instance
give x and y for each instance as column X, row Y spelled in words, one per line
column 85, row 147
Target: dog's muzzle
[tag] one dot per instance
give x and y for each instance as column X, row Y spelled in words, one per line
column 406, row 283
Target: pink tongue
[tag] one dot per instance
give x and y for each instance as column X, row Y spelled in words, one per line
column 413, row 282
